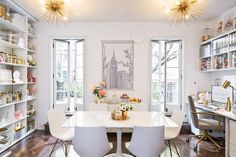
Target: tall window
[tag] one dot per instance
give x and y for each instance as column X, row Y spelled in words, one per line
column 166, row 85
column 68, row 74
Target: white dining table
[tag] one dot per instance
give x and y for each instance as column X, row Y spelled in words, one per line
column 103, row 118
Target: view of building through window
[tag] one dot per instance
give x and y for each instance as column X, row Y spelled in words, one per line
column 68, row 74
column 166, row 73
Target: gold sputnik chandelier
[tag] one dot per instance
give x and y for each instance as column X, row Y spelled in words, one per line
column 183, row 11
column 54, row 11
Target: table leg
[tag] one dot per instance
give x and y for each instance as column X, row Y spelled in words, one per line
column 119, row 139
column 119, row 146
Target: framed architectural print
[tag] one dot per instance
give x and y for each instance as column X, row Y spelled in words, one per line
column 118, row 64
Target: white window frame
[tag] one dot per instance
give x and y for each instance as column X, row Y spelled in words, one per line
column 181, row 66
column 52, row 68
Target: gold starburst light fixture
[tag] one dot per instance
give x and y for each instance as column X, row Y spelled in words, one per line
column 54, row 11
column 183, row 11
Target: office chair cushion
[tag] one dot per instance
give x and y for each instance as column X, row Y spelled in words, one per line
column 210, row 124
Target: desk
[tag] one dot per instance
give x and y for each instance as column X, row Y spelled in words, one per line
column 103, row 118
column 230, row 127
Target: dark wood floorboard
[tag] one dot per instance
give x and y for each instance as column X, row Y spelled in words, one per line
column 39, row 145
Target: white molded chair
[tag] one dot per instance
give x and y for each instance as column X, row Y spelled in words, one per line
column 147, row 141
column 171, row 133
column 56, row 118
column 91, row 141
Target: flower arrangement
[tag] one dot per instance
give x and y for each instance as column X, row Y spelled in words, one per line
column 99, row 90
column 125, row 107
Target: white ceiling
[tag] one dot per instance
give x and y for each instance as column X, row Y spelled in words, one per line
column 126, row 10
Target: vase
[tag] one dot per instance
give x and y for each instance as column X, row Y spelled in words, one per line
column 124, row 115
column 100, row 100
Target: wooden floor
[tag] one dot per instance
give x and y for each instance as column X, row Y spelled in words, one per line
column 39, row 145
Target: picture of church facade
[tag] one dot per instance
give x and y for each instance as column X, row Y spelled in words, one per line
column 118, row 65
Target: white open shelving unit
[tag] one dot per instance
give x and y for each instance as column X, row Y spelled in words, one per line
column 7, row 110
column 218, row 53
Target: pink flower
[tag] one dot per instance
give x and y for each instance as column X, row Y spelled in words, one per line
column 102, row 93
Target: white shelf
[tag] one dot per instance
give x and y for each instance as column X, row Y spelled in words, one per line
column 215, row 70
column 12, row 103
column 15, row 141
column 32, row 67
column 5, row 86
column 30, row 83
column 13, row 5
column 10, row 45
column 205, row 57
column 218, row 36
column 30, row 35
column 12, row 64
column 31, row 98
column 11, row 84
column 5, row 125
column 218, row 54
column 31, row 51
column 9, row 26
column 22, row 118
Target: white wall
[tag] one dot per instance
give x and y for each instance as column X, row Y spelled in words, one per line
column 94, row 32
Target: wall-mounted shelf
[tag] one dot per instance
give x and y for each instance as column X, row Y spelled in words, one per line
column 12, row 64
column 217, row 37
column 4, row 24
column 219, row 53
column 12, row 54
column 10, row 45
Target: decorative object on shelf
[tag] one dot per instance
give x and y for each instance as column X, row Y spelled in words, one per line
column 135, row 100
column 220, row 27
column 30, row 124
column 31, row 110
column 118, row 64
column 54, row 11
column 4, row 130
column 31, row 60
column 4, row 139
column 124, row 98
column 10, row 97
column 30, row 77
column 19, row 126
column 183, row 11
column 18, row 115
column 31, row 29
column 6, row 76
column 11, row 58
column 100, row 92
column 207, row 34
column 226, row 85
column 16, row 77
column 2, row 11
column 5, row 117
column 31, row 91
column 31, row 45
